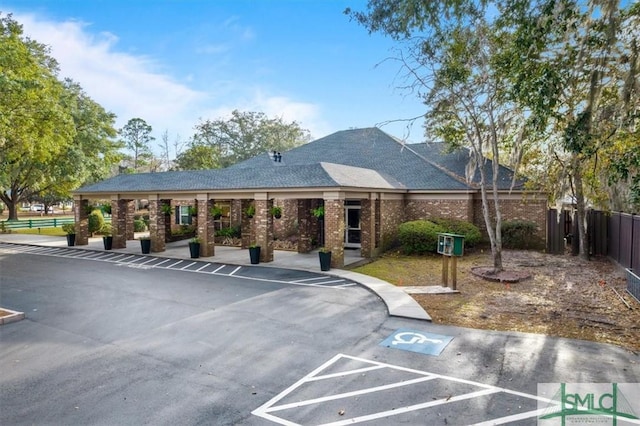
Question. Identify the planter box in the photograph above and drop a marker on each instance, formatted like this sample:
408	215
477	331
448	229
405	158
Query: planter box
145	245
194	250
108	242
71	240
254	255
325	260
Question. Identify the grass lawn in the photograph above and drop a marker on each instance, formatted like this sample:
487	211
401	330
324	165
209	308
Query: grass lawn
41	231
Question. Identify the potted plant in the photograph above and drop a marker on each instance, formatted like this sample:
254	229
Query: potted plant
166	209
276	212
250	211
145	245
325	258
107	238
254	254
70	230
216	212
194	247
318	212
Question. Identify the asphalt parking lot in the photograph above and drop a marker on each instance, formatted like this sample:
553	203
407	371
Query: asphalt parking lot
109	342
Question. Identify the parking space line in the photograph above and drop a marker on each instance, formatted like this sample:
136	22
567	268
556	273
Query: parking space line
268	409
164	261
185	267
125	259
222	266
174	264
309	279
202	267
353	393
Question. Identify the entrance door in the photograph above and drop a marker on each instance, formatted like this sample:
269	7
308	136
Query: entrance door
352	228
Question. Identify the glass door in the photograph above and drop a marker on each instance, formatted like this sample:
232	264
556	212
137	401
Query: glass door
352	228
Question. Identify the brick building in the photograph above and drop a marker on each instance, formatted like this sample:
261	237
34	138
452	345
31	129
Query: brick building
366	181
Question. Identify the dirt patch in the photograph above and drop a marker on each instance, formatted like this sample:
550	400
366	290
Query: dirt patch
565	296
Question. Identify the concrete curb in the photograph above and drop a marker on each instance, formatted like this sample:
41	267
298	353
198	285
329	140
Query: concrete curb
399	303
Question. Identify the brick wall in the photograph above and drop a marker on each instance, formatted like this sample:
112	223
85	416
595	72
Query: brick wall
425	209
515	208
392	214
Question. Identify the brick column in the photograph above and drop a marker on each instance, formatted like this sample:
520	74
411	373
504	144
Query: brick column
156	225
334	231
263	225
119	222
304	226
130	213
167	219
206	229
81	217
247	236
367	228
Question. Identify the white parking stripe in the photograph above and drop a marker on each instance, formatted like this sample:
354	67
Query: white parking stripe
202	267
268	409
349	394
140	261
185	267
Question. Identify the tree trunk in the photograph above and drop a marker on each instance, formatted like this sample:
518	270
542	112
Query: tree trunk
581	209
13	210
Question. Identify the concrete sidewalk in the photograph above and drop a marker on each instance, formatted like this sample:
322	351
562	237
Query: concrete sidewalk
398	302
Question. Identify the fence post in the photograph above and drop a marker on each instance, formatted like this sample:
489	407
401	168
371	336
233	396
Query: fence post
30	223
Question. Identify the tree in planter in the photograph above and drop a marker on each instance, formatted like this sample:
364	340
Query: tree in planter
254	254
276	212
70	230
216	212
194	247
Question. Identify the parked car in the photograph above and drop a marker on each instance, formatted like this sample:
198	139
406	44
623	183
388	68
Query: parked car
37	207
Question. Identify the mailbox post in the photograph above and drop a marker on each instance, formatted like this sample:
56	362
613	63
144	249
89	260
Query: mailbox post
450	246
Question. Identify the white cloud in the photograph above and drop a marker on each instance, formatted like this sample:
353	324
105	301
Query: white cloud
132	85
125	84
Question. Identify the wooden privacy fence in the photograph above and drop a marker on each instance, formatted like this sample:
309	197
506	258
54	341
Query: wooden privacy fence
615	234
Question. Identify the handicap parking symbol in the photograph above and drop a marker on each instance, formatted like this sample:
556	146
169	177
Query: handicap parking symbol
417	341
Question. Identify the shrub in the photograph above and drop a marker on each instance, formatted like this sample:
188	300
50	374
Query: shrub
106	229
232	232
519	234
139	226
419	236
472	235
96	221
69	228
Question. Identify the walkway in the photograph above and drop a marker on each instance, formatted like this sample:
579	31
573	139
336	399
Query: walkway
398	303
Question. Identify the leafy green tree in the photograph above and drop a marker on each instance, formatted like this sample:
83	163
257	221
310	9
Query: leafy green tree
35	127
449	60
579	77
198	156
245	135
568	69
137	138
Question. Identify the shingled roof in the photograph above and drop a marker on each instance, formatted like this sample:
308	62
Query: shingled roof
358	158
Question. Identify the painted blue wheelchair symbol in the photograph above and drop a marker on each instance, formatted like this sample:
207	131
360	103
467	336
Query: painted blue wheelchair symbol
417	341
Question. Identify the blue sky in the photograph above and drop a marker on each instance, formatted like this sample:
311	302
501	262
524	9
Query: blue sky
172	63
